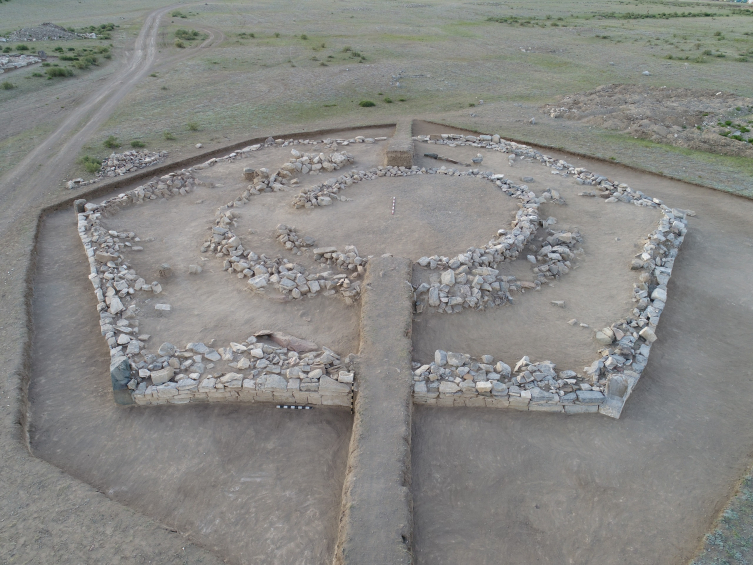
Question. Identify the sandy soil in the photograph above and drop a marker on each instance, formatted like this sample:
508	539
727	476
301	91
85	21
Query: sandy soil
598	292
641	490
253	484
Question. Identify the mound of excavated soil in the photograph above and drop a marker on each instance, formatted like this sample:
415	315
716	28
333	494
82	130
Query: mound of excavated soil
42	32
706	120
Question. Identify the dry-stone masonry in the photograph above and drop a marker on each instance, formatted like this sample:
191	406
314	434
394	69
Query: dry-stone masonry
286	373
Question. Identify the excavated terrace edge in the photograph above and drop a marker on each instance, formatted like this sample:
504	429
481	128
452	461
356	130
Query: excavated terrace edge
17	417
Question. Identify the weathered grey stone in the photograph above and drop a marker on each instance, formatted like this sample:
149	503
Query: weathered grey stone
331	386
275	383
447	387
163	375
648	334
440	357
121	375
166	350
590	397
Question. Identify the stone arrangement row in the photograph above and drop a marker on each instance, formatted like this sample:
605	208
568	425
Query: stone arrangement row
454	379
294	371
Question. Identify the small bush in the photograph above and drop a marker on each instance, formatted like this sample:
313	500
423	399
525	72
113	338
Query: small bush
22	47
58	49
346	49
7	50
366	103
164	88
111	142
472	105
56	72
179	44
401	99
187	34
8	85
91	164
277	34
178	14
388	100
37	75
137	143
153	75
168	136
192	126
303	36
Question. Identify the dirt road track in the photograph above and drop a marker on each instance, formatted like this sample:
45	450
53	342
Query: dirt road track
39	172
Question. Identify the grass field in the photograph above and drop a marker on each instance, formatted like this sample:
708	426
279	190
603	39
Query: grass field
282	64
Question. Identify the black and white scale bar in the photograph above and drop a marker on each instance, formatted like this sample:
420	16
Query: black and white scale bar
294	407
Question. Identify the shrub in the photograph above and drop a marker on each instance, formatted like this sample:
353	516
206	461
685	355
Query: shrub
388	100
303	36
91	164
111	142
55	72
179	44
187	34
7	50
277	34
401	99
178	14
153	75
366	103
137	143
8	85
37	75
193	126
22	47
167	135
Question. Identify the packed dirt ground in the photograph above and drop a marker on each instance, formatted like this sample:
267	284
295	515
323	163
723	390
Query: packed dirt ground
715	122
673	459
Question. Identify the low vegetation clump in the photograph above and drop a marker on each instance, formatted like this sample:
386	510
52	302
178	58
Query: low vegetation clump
366	103
8	85
58	72
188	34
178	14
137	144
192	126
168	136
111	142
91	164
388	100
179	44
22	47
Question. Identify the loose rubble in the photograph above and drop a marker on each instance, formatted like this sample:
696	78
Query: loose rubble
123	163
294	371
15	61
288	370
604	386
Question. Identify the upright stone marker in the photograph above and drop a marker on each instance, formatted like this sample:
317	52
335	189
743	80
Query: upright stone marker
376	520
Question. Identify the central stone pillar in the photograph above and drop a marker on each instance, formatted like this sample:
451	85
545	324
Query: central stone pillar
376	518
400	148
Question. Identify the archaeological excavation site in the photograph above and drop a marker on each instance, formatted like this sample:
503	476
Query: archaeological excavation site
355	276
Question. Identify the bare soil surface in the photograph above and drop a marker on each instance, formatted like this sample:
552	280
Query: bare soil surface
253	484
683	117
641	490
597	292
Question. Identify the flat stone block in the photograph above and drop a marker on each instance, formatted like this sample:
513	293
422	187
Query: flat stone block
545	407
476	401
497	403
336	400
446	401
581	408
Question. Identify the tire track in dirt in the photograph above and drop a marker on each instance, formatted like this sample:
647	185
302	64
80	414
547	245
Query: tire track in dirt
37	174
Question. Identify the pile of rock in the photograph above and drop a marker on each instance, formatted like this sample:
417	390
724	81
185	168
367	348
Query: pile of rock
289	238
287	277
312	163
259	372
10	62
271	142
350	260
122	163
604	386
455	379
295	371
44	32
322	194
